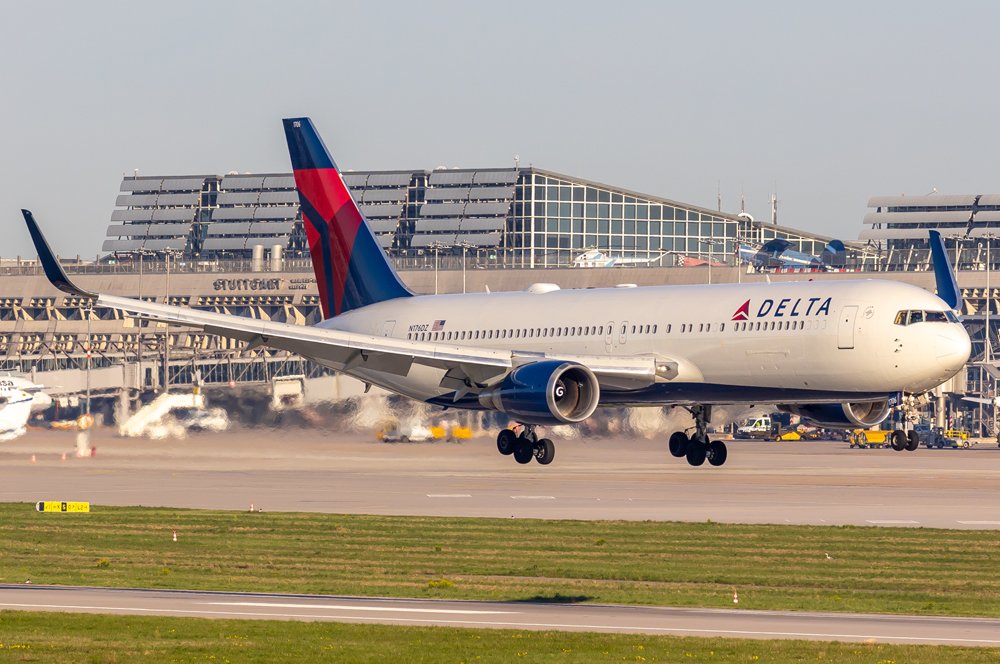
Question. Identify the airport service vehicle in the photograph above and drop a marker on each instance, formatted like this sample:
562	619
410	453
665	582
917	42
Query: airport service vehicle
413	434
215	420
759	427
833	352
878	438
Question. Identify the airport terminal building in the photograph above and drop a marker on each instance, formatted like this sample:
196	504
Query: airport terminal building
514	217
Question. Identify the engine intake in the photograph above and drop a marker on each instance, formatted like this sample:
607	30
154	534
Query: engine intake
546	392
862	414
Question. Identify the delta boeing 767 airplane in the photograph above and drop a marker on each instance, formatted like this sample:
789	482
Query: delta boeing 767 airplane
835	353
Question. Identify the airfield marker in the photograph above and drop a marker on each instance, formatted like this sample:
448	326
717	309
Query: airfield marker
33	459
175	535
736	597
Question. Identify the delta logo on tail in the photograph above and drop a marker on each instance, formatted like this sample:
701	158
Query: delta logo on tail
786	308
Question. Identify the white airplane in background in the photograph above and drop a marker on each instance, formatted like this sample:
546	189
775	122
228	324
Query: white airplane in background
19	397
597	258
835	353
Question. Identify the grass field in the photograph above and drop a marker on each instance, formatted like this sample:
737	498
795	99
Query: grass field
55	637
887	570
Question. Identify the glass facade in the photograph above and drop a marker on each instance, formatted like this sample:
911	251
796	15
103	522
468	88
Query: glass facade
555	218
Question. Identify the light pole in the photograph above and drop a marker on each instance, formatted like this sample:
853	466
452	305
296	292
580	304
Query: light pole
465	246
709	244
167	256
437	247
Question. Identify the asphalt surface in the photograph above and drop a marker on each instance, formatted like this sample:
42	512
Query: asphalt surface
733	623
608	478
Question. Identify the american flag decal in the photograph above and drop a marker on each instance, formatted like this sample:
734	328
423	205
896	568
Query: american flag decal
437	326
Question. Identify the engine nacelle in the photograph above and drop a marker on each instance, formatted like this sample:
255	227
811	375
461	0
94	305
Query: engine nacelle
841	415
545	392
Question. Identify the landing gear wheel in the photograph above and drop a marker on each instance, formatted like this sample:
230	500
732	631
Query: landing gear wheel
544	451
898	440
697	451
678	444
717	453
912	440
523	453
506	441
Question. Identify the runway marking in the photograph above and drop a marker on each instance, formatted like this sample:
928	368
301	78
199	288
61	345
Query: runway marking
893	522
449	495
525	624
348	607
980	523
533	497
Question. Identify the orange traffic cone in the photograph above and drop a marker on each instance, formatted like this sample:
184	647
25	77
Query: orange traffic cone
736	597
33	459
63	456
175	535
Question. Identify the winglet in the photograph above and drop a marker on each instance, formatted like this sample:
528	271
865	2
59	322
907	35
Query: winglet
947	284
53	270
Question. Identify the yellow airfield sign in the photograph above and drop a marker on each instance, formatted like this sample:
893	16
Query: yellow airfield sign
61	506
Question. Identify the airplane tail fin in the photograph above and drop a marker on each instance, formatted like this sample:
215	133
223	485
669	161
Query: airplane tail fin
351	269
947	284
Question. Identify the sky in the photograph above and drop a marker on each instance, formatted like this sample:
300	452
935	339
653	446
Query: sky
825	103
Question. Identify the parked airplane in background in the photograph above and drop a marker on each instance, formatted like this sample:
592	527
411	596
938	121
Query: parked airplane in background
833	352
19	397
778	253
597	258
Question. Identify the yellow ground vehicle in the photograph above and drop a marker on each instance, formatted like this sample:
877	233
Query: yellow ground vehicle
787	435
866	439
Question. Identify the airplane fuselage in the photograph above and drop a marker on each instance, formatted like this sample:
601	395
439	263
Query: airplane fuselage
791	342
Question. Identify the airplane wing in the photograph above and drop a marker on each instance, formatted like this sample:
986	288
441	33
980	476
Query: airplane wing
467	368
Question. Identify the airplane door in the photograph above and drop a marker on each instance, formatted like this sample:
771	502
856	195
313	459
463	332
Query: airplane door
623	333
387	326
845	329
609	338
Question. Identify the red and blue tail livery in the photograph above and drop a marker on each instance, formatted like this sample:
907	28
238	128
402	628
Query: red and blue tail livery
351	269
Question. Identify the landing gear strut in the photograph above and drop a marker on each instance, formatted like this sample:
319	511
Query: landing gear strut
698	448
526	445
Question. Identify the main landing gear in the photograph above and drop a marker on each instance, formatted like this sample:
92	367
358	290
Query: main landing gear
526	445
904	440
698	448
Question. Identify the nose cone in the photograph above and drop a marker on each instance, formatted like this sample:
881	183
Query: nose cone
953	348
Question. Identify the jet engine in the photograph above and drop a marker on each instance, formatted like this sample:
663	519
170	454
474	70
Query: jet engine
545	392
841	415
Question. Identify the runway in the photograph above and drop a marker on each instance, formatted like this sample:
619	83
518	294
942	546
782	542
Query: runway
609	478
510	615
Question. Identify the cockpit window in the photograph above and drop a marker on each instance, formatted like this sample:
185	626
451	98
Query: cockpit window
920	316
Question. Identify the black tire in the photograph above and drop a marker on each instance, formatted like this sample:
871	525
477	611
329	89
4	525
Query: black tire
912	440
678	444
506	442
898	440
523	453
717	453
545	451
696	453
404	439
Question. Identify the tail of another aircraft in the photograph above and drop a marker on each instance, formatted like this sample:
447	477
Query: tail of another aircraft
351	269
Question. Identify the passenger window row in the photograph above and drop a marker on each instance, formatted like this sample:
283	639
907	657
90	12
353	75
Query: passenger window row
600	330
